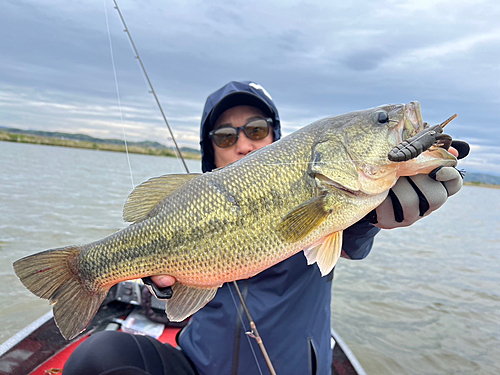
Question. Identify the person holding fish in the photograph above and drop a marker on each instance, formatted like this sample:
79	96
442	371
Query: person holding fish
290	301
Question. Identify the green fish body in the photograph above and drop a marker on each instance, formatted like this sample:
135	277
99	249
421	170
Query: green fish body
296	194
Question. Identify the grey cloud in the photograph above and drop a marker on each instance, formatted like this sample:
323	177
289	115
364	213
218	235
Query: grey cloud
316	59
365	60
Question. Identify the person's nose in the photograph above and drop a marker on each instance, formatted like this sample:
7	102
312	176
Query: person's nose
244	145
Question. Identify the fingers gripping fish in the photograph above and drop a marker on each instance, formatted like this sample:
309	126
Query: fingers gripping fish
298	193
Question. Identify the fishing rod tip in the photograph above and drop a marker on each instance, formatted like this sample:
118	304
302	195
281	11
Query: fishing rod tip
446	122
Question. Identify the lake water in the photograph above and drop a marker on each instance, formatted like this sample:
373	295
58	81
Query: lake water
425	301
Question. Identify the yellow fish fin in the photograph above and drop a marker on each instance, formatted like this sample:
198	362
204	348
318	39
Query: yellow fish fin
186	300
53	275
326	253
145	197
332	160
303	219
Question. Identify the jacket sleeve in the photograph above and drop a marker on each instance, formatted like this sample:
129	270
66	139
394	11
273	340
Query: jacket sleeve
358	239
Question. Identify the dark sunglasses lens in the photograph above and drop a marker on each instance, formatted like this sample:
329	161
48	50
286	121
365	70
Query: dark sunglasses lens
225	137
257	130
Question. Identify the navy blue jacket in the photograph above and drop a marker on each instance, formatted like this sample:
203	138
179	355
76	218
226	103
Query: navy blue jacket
290	303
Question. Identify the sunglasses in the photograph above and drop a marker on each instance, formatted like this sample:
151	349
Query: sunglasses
228	136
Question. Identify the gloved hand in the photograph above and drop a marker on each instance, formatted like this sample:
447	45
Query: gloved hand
415	197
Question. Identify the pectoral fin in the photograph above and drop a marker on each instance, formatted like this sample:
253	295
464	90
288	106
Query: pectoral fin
147	195
326	253
303	219
187	300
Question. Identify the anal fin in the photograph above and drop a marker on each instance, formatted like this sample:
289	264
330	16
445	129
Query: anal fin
326	253
187	300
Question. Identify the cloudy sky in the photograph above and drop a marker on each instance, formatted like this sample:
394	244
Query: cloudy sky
316	58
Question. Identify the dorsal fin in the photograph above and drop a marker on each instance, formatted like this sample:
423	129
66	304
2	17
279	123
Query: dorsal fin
147	195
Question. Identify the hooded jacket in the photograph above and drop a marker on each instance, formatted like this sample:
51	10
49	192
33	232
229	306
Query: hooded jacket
289	302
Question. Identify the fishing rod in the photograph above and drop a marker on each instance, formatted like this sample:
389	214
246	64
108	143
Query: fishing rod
138	57
254	333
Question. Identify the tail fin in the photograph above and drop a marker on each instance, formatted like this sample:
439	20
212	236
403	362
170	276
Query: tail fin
53	275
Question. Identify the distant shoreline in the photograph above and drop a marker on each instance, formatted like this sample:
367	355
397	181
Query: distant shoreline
89	145
480	184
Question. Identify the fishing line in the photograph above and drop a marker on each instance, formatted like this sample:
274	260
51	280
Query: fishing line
118	94
365	161
323	162
240	315
179	153
152	90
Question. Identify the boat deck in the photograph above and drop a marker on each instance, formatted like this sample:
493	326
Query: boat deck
39	349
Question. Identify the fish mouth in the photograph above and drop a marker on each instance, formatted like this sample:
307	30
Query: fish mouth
414	114
325	181
410	123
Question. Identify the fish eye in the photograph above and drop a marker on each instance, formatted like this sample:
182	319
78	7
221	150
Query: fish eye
381	117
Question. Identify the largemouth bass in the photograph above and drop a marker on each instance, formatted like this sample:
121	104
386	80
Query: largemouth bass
207	229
